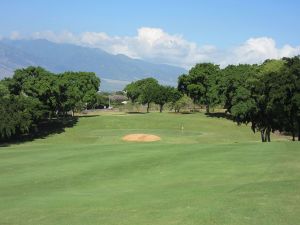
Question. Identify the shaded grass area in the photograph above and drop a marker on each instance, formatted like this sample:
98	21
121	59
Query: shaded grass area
219	115
88	175
43	130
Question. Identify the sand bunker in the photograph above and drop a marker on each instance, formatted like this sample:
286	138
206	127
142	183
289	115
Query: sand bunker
141	137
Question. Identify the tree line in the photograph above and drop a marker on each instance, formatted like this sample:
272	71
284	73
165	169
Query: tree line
34	95
267	96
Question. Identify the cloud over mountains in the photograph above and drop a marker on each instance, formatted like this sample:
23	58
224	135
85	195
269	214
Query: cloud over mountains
156	45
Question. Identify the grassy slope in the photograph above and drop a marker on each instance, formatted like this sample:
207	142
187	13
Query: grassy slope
211	173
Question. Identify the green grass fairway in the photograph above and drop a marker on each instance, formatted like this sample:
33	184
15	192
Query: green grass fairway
212	172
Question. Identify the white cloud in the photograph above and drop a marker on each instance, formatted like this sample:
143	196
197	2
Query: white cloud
256	50
93	38
156	45
63	37
15	35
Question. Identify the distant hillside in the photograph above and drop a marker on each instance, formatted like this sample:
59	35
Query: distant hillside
115	71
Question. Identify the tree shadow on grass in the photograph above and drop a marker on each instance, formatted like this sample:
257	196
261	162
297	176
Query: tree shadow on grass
87	116
219	115
136	113
43	130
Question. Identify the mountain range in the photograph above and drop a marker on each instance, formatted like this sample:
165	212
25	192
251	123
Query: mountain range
115	71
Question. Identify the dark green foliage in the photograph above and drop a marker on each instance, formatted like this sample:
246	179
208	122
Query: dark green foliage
133	91
286	96
4	92
33	95
183	102
80	90
18	115
143	91
267	96
233	77
183	82
164	94
174	96
148	90
201	84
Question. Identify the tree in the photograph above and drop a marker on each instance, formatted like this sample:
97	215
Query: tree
269	73
174	96
80	90
149	87
286	96
293	91
183	102
200	84
102	100
4	92
132	91
183	82
35	82
34	95
163	95
252	100
18	115
234	77
144	91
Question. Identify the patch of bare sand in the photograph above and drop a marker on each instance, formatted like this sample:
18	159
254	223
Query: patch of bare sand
141	138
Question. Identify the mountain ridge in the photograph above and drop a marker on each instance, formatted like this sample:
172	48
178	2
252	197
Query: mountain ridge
114	70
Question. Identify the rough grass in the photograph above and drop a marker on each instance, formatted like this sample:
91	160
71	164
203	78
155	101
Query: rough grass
212	172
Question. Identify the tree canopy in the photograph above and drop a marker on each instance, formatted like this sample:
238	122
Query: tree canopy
266	95
34	94
200	84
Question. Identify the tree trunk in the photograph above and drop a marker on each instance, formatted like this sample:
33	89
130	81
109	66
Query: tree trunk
207	109
268	136
148	106
293	128
298	129
160	108
293	133
262	135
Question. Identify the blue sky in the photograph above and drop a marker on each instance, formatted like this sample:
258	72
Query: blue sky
222	24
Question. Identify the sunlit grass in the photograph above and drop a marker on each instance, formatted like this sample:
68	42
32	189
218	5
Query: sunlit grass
210	172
